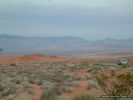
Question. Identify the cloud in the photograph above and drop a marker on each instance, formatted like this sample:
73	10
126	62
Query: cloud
66	3
67	17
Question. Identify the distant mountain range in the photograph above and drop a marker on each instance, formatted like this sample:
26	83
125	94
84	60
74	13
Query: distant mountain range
62	45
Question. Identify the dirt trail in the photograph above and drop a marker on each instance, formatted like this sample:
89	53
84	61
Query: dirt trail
38	92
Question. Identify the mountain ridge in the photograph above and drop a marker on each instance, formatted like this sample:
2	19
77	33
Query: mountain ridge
65	45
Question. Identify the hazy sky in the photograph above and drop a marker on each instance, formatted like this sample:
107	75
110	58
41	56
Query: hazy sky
90	19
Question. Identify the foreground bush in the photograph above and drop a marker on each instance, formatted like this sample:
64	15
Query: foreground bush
6	89
83	97
50	98
24	96
116	85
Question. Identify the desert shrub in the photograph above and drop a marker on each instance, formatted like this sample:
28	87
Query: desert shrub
13	64
82	67
17	80
50	90
31	80
77	78
124	65
28	89
92	85
89	77
90	70
67	89
102	79
116	85
38	81
50	98
84	62
10	97
6	88
64	98
83	97
75	84
35	79
73	68
24	96
126	81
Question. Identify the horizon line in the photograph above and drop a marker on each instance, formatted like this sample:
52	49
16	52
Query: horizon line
5	34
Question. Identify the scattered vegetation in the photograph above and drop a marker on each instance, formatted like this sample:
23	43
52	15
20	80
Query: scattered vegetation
59	78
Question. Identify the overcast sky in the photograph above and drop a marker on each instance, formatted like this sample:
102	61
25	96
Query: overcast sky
90	19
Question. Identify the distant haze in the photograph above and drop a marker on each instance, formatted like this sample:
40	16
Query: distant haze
89	19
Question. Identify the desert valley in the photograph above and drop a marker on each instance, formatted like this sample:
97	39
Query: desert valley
43	77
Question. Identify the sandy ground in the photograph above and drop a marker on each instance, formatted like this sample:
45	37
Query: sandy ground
29	58
37	91
54	58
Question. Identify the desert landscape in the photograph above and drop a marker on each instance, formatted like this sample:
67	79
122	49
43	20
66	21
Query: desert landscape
42	77
66	49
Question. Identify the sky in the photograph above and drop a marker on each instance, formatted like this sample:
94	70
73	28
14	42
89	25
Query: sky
89	19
